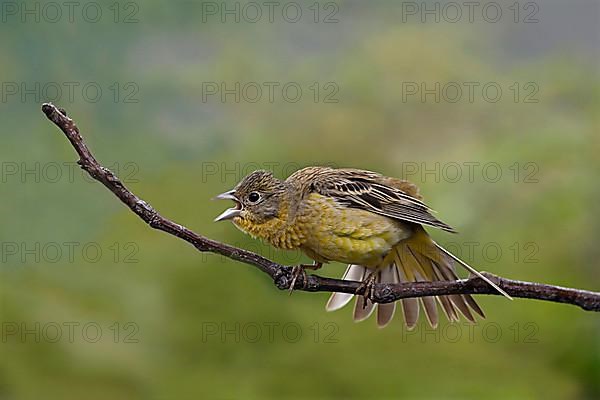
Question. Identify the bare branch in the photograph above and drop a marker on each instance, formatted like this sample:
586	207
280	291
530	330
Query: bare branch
282	275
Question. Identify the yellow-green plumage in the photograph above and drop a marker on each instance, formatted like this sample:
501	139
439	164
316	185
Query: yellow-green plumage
362	218
342	234
345	234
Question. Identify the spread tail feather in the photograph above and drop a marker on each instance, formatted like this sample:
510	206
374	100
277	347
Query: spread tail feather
474	271
339	300
364	308
416	259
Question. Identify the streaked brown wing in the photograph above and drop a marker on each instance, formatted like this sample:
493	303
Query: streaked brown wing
365	190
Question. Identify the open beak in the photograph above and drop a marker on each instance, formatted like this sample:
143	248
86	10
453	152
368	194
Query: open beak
230	213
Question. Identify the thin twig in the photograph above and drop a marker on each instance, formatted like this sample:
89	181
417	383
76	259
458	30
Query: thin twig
282	275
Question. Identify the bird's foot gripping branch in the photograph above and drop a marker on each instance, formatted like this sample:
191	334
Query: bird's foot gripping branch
283	275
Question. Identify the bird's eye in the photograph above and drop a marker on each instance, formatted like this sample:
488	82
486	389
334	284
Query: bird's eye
253	197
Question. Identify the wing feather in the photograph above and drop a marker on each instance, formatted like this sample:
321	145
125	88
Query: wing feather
372	192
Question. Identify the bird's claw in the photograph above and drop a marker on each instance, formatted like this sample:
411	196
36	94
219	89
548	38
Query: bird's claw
300	269
367	287
297	270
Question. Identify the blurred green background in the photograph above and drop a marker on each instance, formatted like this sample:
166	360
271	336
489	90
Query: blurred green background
96	305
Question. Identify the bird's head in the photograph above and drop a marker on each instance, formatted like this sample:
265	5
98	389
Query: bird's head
257	199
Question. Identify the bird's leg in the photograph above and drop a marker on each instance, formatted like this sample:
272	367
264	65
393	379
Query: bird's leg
314	266
298	270
368	285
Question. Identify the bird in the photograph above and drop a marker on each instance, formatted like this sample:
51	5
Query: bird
371	222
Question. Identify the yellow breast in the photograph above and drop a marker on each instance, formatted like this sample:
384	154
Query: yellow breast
280	232
327	231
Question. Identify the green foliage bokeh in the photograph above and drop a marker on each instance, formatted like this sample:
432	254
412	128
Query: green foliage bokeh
178	151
